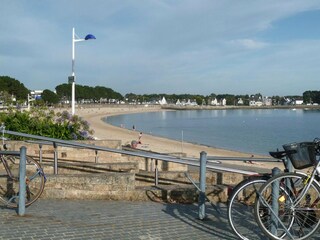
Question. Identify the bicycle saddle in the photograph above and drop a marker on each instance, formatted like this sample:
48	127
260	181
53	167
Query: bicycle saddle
281	154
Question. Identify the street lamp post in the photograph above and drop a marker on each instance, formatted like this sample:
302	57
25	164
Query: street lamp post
72	79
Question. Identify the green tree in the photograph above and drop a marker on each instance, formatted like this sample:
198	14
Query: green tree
311	97
49	97
13	87
87	92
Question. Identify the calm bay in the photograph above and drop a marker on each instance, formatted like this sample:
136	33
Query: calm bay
255	131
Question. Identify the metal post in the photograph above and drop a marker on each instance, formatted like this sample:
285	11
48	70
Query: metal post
73	86
40	153
289	165
202	194
96	157
22	182
275	204
156	173
55	169
151	165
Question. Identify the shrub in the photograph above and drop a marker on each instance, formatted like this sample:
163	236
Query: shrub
42	122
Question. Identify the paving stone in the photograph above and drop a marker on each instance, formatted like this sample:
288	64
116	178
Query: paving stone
100	219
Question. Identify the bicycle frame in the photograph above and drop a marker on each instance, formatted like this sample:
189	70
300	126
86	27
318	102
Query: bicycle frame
298	196
6	166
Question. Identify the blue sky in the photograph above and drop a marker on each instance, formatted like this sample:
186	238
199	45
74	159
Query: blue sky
160	46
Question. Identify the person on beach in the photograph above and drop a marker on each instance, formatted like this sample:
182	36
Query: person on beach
133	128
140	136
134	144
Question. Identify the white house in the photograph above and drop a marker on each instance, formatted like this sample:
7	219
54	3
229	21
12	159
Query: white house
240	101
267	101
298	102
214	102
163	101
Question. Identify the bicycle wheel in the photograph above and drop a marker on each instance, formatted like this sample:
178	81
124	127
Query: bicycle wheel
280	216
9	181
241	206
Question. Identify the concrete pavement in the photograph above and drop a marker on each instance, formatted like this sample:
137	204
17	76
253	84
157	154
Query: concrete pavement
95	219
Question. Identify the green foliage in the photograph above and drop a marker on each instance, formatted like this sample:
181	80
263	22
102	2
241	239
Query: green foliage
13	87
86	92
311	97
230	99
46	123
49	97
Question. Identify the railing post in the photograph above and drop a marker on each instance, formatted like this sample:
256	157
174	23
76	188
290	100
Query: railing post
22	182
96	156
202	194
275	204
40	153
55	168
156	173
151	165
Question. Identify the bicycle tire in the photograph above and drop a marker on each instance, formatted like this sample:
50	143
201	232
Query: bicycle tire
294	222
240	208
9	186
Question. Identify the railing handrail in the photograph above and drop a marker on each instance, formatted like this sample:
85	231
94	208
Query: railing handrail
203	162
180	160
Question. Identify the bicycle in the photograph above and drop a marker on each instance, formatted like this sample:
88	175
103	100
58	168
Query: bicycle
241	202
9	179
288	204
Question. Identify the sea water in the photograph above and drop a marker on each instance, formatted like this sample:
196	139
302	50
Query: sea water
256	131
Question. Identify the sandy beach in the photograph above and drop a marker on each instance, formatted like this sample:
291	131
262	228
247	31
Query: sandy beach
103	130
94	116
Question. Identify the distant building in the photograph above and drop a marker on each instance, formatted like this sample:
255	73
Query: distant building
36	94
267	101
163	101
240	101
298	102
214	102
255	103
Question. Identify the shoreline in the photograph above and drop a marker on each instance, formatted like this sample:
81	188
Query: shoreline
103	130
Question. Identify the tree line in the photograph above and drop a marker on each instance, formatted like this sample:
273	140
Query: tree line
10	87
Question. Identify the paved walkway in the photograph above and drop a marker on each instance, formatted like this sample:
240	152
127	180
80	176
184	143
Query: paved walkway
79	219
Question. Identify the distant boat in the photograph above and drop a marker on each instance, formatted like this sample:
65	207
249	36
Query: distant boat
293	109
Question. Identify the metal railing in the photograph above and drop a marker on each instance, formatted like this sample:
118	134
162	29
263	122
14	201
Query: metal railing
204	162
22	176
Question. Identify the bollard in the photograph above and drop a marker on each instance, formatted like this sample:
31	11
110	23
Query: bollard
22	181
275	204
202	194
55	158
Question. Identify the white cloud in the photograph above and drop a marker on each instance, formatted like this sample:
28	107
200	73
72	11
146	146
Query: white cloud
249	43
150	46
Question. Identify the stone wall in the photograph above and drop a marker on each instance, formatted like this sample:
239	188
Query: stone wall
107	186
123	186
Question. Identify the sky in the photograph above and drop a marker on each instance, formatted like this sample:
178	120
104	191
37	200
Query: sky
161	46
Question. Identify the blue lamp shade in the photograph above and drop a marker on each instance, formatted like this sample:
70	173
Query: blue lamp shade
89	36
